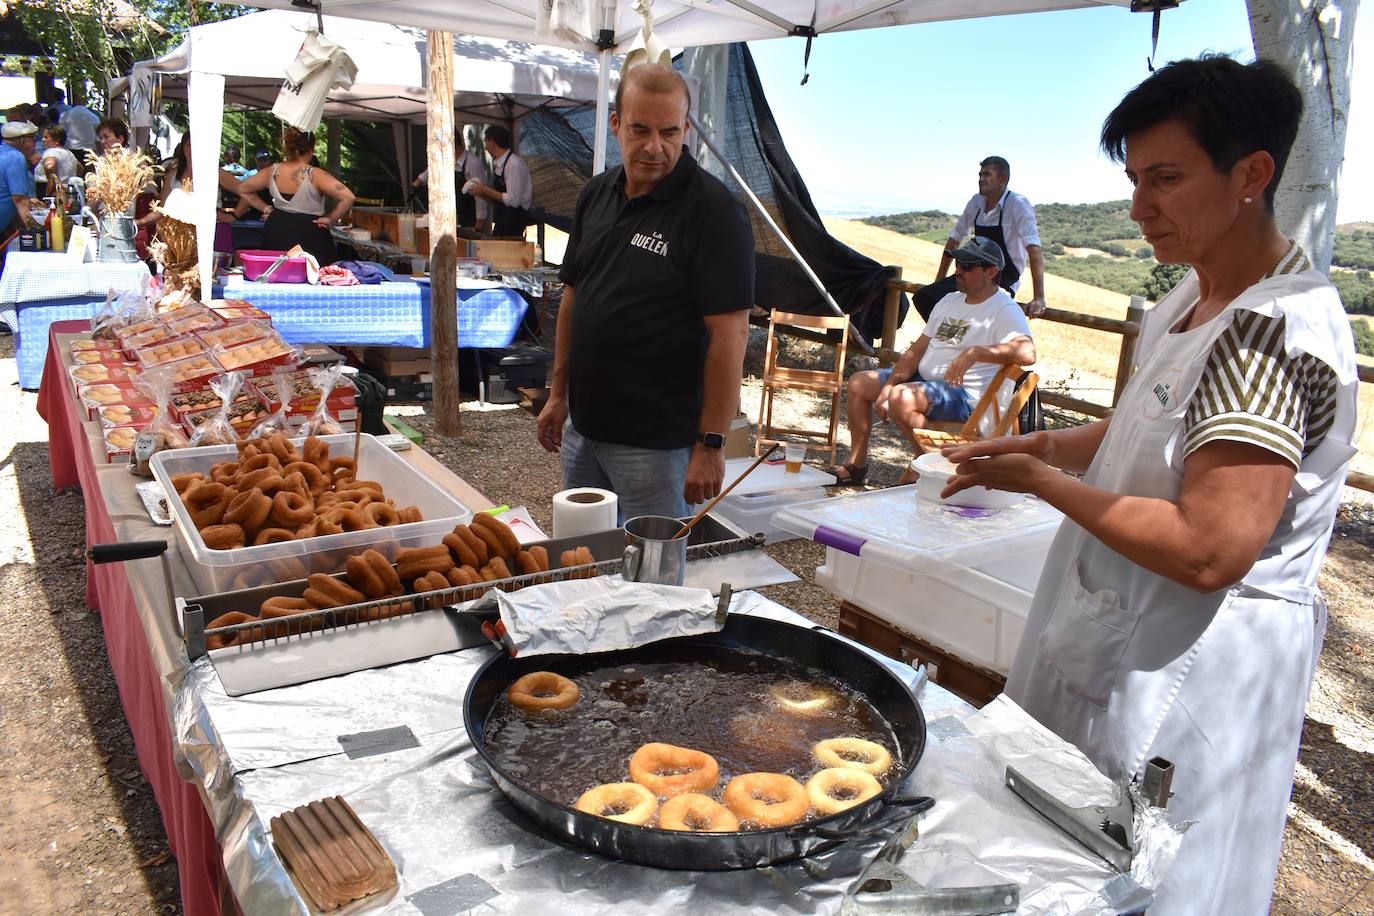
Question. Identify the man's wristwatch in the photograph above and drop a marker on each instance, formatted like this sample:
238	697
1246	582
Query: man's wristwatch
711	440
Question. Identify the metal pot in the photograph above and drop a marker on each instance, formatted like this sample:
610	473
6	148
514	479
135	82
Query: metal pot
813	648
117	239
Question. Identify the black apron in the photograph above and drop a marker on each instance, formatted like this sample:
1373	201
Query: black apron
1010	272
507	220
467	204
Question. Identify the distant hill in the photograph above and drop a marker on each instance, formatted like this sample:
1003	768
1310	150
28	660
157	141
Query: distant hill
1099	244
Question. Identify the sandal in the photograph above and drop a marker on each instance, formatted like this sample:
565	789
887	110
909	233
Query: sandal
853	476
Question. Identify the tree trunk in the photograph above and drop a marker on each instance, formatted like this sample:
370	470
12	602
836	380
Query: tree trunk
1314	41
443	226
333	132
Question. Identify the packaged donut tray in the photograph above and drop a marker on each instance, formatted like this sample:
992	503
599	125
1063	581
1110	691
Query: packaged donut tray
95	373
244	414
135	415
232	310
231	335
258	357
247	567
99	395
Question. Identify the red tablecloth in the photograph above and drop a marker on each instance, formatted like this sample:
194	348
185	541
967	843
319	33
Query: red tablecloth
190	835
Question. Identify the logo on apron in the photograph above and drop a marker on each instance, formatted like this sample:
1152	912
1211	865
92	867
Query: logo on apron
1161	397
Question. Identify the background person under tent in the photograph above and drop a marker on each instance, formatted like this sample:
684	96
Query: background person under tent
511	191
472	208
299	189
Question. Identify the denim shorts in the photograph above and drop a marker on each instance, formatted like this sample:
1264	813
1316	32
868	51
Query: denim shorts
948	403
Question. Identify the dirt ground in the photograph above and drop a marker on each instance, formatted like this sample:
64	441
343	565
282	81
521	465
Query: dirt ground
80	831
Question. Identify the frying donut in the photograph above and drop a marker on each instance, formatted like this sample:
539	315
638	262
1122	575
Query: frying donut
223	537
370	572
414	562
488	537
834	789
382	514
291	510
475	544
666	769
314	479
766	799
627	802
182	482
410	514
853	753
228	639
326	591
462	553
510	544
316	451
249	509
541	690
273	536
803	699
697	813
541	556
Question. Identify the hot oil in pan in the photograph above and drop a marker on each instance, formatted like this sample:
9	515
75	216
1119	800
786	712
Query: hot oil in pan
726	707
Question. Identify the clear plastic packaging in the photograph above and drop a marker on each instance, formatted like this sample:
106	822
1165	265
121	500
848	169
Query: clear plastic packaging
169	351
258	357
322	422
279	421
162	432
220	431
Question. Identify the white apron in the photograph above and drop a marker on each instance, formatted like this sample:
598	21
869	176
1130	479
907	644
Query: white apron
1128	665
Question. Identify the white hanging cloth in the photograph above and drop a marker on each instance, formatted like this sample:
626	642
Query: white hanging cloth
321	65
647	48
569	20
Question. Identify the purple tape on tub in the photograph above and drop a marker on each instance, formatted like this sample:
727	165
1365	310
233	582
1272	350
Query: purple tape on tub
840	540
971	512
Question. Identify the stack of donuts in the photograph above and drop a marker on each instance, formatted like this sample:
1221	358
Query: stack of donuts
272	492
485	551
682	778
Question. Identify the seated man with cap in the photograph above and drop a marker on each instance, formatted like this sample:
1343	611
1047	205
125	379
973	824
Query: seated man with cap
971	334
16	174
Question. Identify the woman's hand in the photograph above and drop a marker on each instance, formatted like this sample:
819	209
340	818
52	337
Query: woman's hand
324	222
1017	464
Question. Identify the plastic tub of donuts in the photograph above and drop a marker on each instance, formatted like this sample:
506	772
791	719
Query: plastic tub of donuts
456	569
239	528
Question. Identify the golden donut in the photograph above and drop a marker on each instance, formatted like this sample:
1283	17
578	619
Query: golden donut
291	510
316	451
854	754
541	556
526	564
324	526
804	699
342	467
220	468
326	591
223	537
834	789
287	607
382	514
370	485
268	480
410	514
249	509
347	519
475	544
697	813
488	537
182	482
202	494
666	769
766	799
314	479
257	462
280	446
509	543
414	562
627	802
463	576
462	553
432	582
295	483
228	639
213	513
499	569
371	572
540	690
273	536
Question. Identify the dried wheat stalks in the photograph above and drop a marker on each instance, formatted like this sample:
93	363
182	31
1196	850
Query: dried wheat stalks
118	178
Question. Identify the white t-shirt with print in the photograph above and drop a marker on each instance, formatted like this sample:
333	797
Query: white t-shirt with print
955	325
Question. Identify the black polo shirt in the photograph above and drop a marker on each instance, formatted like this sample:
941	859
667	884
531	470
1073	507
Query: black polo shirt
644	272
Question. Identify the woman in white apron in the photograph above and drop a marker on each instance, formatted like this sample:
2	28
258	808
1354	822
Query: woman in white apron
1178	614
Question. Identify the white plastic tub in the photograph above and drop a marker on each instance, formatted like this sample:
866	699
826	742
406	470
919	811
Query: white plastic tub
753	513
217	571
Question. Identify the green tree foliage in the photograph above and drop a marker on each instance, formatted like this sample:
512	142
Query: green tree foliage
1121	275
1163	277
1354	248
1364	336
1356	289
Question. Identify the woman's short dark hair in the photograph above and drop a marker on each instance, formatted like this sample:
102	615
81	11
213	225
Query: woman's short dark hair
116	127
1231	109
58	135
498	134
296	143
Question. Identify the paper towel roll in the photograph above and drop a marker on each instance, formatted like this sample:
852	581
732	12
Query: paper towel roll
583	510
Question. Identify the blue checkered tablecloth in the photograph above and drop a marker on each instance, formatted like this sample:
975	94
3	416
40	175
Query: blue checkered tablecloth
386	314
40	287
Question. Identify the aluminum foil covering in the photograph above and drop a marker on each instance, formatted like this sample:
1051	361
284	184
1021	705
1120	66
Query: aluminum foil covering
458	844
155	501
602	614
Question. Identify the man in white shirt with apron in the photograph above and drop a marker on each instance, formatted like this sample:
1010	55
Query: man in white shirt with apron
1178	613
511	191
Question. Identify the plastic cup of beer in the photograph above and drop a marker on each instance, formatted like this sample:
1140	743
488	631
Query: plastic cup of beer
417	266
794	453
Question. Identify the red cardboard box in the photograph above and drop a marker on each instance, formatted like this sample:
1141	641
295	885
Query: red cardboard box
97	395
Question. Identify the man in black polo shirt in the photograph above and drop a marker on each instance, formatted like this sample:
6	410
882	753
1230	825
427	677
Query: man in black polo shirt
658	280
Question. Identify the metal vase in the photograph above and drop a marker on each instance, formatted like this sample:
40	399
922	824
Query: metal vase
117	239
651	555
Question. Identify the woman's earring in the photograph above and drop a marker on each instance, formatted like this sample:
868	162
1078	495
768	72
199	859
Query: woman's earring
1247	200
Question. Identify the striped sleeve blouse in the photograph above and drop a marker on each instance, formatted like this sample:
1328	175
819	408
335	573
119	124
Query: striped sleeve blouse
1253	391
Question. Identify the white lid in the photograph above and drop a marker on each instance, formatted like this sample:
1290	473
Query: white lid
769	477
894	528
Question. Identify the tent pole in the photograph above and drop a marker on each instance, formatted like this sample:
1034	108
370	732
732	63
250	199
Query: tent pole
603	91
782	236
443	235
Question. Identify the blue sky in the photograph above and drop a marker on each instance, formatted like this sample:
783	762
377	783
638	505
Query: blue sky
897	119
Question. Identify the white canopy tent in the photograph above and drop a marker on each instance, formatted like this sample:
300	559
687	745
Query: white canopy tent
241	61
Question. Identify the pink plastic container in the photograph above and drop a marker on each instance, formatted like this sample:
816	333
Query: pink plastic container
256	262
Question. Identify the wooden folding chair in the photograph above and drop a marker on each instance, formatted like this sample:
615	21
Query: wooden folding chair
1003	423
820	381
